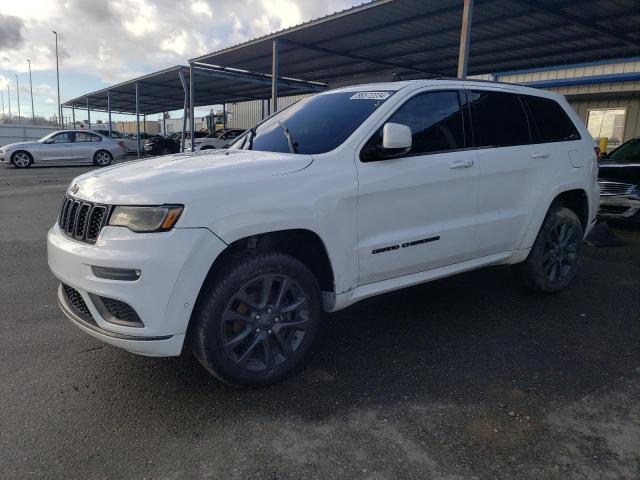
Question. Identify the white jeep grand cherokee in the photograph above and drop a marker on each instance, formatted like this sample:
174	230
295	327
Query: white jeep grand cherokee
346	194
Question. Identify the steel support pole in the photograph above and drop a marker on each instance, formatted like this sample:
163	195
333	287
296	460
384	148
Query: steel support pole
465	38
164	123
9	100
18	94
184	111
88	114
261	109
224	116
2	94
192	113
33	112
73	115
138	118
109	110
58	80
275	65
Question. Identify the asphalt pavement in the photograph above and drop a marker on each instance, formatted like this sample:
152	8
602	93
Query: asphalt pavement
467	377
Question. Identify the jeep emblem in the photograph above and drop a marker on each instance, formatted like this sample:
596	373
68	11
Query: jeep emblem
75	188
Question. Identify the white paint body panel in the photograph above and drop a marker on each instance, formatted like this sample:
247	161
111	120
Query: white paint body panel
485	214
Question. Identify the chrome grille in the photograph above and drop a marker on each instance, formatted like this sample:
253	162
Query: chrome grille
616	188
82	220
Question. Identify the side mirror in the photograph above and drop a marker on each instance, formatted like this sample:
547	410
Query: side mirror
396	141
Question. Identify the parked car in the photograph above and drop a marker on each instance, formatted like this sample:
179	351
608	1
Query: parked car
131	141
218	139
161	146
187	141
619	179
105	133
64	147
346	194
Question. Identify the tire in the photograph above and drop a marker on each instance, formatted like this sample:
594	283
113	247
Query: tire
21	159
165	151
102	158
556	254
247	339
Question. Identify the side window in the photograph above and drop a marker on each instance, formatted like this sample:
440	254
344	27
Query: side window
498	119
87	137
550	123
61	138
435	120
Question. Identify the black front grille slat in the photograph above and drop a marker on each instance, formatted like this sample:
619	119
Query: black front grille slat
81	225
96	222
82	221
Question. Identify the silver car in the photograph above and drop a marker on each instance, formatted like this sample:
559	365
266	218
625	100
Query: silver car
64	147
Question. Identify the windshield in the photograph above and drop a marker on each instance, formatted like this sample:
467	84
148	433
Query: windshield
627	152
313	125
47	137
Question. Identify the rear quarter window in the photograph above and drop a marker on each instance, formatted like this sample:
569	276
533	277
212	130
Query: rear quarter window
549	121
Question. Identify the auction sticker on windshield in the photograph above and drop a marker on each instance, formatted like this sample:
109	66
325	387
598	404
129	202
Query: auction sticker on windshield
370	96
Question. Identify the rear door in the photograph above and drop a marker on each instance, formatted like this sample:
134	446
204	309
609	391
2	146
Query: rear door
85	146
57	148
512	171
417	212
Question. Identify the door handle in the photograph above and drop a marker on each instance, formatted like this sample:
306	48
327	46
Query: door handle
540	155
461	164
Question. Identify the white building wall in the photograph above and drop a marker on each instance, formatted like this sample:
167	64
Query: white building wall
23	133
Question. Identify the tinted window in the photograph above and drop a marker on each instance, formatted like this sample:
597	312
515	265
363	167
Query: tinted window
315	124
498	119
87	137
550	123
435	119
61	138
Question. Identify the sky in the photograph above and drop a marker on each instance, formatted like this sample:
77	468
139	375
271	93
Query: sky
103	42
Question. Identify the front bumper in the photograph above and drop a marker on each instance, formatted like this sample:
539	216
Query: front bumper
173	266
620	207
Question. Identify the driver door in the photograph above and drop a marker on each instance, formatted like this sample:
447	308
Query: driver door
417	212
57	148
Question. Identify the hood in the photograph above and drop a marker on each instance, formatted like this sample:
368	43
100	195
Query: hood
13	146
177	178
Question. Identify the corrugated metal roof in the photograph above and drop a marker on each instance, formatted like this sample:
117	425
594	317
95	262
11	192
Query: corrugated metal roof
421	37
385	39
162	91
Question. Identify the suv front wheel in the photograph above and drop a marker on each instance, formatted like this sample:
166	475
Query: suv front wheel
256	322
556	254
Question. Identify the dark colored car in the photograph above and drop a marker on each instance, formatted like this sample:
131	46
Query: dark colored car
162	146
619	180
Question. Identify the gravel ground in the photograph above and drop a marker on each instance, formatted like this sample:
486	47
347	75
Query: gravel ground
467	377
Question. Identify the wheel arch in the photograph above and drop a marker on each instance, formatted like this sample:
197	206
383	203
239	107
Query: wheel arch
31	157
575	200
302	244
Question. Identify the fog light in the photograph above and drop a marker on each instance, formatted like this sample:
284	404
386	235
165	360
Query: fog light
124	274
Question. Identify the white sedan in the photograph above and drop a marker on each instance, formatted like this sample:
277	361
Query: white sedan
64	147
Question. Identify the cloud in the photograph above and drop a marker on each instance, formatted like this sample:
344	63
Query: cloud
107	42
11	32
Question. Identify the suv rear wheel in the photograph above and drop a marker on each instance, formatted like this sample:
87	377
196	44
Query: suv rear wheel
556	254
255	324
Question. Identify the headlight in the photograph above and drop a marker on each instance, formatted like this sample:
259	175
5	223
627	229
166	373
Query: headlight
146	219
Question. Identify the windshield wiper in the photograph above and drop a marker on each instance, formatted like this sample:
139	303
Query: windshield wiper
293	146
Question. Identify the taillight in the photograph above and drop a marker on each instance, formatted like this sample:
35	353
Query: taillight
598	153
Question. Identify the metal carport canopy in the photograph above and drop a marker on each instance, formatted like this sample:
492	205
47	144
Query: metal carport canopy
162	91
418	38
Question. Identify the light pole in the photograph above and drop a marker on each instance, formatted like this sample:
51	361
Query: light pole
58	80
9	100
2	106
18	94
33	112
